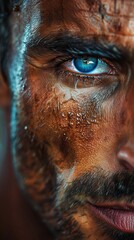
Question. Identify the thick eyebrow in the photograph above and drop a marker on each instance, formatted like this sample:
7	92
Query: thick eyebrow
76	46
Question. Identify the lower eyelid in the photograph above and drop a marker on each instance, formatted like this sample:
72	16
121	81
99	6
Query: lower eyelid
73	80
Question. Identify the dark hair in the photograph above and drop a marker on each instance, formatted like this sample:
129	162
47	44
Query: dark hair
5	11
6	8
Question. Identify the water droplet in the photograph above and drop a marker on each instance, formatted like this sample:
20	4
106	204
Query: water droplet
78	114
71	124
63	114
70	114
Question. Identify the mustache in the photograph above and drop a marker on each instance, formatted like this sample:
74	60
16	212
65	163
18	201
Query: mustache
99	187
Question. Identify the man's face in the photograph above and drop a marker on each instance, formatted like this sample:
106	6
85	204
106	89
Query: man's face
71	76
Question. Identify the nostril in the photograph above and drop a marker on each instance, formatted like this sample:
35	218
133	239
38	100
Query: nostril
125	165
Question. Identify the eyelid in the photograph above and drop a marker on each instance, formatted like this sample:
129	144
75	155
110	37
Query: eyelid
57	62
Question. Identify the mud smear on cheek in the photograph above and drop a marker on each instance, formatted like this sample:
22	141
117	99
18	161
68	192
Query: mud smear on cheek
80	101
38	177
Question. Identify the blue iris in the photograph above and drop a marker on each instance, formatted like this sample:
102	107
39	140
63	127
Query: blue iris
85	65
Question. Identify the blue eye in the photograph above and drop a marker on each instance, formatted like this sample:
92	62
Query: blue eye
88	66
85	65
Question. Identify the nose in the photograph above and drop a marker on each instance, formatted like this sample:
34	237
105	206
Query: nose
125	153
125	156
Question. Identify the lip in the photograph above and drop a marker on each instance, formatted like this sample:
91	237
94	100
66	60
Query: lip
119	216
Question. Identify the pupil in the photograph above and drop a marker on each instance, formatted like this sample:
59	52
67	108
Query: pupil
85	65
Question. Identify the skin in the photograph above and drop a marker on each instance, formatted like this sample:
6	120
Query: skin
72	144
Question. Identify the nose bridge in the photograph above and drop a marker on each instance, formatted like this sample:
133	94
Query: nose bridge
130	110
125	154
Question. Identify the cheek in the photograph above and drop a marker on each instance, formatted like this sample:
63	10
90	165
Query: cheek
75	130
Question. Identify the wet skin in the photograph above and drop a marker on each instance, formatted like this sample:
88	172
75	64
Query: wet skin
73	133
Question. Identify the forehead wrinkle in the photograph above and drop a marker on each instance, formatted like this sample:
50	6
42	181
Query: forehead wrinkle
121	8
81	5
75	17
114	8
51	12
85	10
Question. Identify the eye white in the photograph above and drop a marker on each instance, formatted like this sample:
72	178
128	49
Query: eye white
101	68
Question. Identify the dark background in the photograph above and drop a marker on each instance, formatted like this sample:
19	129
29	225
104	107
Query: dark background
18	221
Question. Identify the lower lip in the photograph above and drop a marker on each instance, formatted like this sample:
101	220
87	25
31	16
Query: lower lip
120	219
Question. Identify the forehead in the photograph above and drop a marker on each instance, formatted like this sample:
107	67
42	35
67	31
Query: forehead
112	19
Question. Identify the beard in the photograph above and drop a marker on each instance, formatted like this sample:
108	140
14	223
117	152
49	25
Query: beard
37	176
101	187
